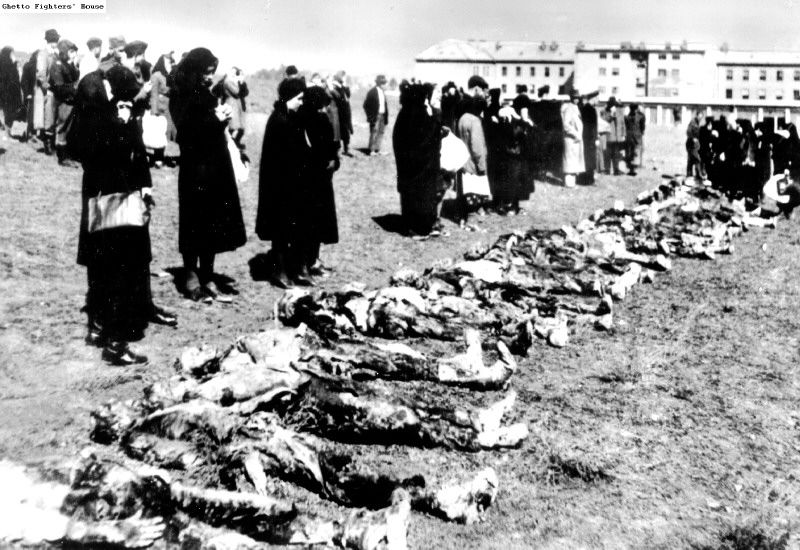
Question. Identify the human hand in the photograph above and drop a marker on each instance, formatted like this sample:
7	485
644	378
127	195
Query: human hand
222	112
124	110
147	197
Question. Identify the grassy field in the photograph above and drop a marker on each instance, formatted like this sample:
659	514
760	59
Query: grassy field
679	429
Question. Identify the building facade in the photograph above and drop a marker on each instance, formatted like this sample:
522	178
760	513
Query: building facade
677	73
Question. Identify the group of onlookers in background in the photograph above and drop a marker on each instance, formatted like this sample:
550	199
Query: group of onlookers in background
743	159
37	98
508	145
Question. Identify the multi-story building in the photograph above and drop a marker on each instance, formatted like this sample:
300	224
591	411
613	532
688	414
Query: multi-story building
668	72
504	65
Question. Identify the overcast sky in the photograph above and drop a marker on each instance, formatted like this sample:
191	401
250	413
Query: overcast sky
369	36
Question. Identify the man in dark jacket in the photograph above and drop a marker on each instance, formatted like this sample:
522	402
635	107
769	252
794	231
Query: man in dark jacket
64	83
341	96
616	137
377	111
589	118
694	164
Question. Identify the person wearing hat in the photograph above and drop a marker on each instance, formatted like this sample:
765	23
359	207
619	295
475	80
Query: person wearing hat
44	118
377	111
63	83
634	142
572	161
116	48
513	133
90	61
614	116
209	211
282	184
291	72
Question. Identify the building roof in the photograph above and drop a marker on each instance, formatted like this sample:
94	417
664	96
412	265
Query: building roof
499	51
757	58
670	46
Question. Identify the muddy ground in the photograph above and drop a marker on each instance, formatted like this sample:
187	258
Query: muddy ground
678	429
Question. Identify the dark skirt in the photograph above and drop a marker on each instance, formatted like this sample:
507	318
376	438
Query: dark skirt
420	208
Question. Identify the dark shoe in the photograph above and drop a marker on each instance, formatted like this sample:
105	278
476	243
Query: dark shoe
210	289
94	334
320	270
120	354
281	281
160	316
347	154
197	294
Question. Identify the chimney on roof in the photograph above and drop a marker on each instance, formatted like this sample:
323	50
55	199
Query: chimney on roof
497	46
553	46
684	46
668	46
543	46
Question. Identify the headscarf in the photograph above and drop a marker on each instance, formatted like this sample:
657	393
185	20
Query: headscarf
161	65
6	63
315	98
290	87
190	71
123	83
64	47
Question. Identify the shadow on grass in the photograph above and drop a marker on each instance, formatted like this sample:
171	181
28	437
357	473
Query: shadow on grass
392	223
225	283
261	266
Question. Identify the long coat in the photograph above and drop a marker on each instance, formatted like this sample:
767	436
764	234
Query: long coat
512	163
231	93
323	226
159	101
44	107
589	119
210	215
114	161
10	91
417	140
341	96
572	159
283	178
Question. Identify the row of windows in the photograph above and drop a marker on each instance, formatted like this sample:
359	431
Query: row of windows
675	56
602	90
613	56
762	74
531	71
761	94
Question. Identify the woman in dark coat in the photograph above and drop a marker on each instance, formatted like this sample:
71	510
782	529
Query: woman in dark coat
108	141
283	192
324	161
513	135
589	118
210	215
417	140
10	91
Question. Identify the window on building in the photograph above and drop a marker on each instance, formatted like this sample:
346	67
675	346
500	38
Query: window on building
602	71
503	88
779	95
797	95
486	70
675	92
547	71
676	56
504	71
662	73
745	93
662	56
533	71
797	75
615	90
476	69
561	71
746	74
603	55
676	74
518	72
729	74
779	75
615	56
602	90
615	71
729	93
762	94
762	74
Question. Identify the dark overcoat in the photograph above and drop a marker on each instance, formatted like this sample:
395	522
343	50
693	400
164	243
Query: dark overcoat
589	117
512	166
323	226
283	178
210	215
10	90
114	161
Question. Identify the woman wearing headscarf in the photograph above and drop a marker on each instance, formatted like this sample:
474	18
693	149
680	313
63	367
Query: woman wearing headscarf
572	159
108	141
210	216
159	101
64	83
10	91
283	183
513	134
322	227
417	140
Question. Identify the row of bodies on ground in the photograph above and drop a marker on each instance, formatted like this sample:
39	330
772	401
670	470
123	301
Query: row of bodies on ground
205	450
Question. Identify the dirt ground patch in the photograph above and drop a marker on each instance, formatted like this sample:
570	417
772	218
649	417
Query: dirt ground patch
677	428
